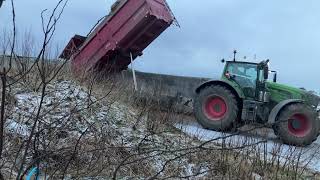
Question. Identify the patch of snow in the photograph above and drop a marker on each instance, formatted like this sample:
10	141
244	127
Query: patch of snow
189	169
18	128
256	176
203	171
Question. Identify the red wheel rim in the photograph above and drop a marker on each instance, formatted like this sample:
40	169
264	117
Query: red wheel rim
215	108
299	125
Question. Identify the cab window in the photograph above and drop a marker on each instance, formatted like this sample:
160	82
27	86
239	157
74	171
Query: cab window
245	74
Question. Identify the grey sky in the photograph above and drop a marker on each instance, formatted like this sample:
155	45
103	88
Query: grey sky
286	32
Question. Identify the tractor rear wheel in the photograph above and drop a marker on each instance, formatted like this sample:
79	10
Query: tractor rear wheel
297	125
216	108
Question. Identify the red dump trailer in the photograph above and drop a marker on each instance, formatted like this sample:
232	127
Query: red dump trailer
130	27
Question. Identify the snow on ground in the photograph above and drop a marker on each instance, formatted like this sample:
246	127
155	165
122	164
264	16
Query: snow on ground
61	98
65	112
310	154
18	128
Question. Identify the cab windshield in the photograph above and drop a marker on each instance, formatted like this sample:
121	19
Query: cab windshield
244	74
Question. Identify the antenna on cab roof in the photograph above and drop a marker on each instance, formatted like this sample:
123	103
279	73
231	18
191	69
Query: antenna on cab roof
234	55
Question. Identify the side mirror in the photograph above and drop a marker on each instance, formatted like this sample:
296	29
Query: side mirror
223	60
266	72
275	77
266	69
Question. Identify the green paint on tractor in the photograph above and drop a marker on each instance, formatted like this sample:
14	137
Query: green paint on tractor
281	92
245	94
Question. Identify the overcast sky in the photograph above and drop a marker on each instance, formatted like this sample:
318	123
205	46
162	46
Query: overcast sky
287	32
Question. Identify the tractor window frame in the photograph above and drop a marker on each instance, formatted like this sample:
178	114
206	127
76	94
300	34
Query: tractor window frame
255	79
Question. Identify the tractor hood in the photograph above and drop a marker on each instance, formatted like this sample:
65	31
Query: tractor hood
280	92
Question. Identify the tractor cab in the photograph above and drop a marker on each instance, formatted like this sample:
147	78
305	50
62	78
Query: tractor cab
250	78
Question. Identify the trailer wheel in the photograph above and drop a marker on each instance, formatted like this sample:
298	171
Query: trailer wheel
297	125
215	108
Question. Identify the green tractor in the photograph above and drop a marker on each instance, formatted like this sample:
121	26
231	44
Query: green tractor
245	94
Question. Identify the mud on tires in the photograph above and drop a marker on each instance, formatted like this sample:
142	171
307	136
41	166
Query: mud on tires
297	125
215	108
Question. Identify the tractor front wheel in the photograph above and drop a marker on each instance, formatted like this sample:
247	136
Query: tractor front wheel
297	125
216	108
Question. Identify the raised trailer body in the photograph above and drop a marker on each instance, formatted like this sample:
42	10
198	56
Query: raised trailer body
130	27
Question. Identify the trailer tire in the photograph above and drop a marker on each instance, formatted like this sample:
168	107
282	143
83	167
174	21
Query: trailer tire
216	108
297	125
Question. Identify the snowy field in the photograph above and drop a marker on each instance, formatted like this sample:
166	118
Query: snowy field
310	155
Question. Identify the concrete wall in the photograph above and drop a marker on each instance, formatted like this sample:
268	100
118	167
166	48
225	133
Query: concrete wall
171	91
16	63
167	85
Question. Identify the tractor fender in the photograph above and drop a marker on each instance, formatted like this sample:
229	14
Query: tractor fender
276	110
230	86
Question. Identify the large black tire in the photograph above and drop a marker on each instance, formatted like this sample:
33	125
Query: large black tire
223	115
297	124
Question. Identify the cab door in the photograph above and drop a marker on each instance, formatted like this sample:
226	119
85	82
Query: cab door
262	89
246	75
